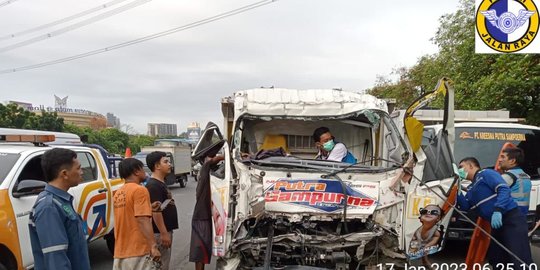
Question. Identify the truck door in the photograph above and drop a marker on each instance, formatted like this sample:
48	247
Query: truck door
93	197
29	169
210	144
431	190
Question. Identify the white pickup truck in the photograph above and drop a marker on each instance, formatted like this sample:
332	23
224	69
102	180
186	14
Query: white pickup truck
21	180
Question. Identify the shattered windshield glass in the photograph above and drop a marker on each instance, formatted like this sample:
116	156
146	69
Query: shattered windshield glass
367	139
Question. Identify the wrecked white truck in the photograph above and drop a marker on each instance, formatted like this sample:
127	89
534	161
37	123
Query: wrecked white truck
276	207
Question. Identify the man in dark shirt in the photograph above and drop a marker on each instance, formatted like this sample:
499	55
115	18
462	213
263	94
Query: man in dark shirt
164	219
201	224
57	232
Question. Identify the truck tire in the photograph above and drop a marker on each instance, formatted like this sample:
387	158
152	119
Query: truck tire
183	180
109	238
2	267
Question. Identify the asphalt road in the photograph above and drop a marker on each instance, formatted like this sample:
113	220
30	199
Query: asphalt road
101	259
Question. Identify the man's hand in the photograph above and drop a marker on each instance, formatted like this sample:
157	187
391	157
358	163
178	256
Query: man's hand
496	220
154	253
156	205
165	239
215	160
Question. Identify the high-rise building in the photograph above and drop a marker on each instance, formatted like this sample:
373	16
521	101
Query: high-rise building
113	121
162	129
194	131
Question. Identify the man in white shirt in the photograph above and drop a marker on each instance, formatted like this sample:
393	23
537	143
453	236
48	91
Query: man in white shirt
330	150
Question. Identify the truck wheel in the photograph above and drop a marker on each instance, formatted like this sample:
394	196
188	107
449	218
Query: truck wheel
183	181
2	267
109	238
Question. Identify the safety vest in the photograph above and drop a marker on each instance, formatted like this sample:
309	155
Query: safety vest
520	188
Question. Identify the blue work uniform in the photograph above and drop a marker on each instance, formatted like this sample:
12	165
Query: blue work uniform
57	234
520	188
489	193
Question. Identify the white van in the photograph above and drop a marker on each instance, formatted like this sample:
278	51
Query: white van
484	140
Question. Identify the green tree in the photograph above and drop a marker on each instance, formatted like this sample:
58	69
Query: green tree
46	121
404	92
114	140
13	116
136	142
481	81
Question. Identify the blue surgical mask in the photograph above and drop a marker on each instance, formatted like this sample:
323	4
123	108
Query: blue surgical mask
462	173
329	145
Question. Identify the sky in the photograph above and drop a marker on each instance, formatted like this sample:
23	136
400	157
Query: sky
180	78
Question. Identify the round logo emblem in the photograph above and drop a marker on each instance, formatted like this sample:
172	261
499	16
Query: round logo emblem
507	25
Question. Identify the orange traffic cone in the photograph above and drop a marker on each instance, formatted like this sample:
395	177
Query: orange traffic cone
128	153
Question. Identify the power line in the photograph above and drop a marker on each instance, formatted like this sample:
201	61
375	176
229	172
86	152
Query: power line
146	38
6	2
75	25
63	20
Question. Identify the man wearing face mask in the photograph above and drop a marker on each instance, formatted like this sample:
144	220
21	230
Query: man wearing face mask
490	195
329	149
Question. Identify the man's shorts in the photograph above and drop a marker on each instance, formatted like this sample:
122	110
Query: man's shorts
201	241
136	263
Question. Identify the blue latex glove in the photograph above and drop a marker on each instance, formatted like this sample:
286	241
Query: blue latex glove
496	220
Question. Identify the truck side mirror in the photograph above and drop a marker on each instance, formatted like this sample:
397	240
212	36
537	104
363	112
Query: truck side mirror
28	187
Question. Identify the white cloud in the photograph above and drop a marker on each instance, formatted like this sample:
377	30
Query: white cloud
180	78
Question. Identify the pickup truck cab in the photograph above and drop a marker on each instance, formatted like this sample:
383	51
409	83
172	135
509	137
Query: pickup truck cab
21	180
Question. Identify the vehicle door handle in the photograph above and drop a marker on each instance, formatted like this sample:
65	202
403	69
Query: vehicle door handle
101	190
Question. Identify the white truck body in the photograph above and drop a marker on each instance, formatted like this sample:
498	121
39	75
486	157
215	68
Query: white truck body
294	210
180	156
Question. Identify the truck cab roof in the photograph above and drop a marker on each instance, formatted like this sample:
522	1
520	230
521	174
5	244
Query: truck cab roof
294	102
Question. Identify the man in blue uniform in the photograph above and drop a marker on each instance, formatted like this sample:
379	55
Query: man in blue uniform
490	196
518	181
57	234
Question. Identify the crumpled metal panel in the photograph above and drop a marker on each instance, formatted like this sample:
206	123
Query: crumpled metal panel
312	102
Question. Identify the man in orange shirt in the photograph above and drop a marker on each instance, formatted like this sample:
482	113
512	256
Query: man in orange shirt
134	237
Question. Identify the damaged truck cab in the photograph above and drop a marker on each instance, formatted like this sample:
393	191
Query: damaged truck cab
274	205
